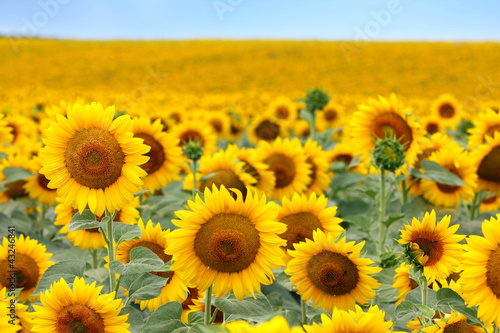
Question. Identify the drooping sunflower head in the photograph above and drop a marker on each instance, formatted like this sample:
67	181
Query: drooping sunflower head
303	215
486	124
488	163
82	309
371	321
317	159
92	238
433	246
288	161
382	119
228	242
92	159
165	155
331	274
31	262
459	162
221	168
266	128
480	278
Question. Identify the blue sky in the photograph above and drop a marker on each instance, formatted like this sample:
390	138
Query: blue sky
252	19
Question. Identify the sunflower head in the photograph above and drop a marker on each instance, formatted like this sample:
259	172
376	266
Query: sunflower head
388	154
316	99
193	150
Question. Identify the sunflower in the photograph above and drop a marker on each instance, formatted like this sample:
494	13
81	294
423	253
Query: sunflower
488	157
404	284
284	110
92	159
165	156
24	132
331	274
22	320
371	321
490	204
331	116
431	125
196	130
454	323
36	186
303	215
317	159
253	166
17	159
264	127
287	160
92	238
301	128
6	136
435	247
447	109
221	168
31	261
227	242
276	324
343	153
154	238
79	310
480	279
219	121
460	162
382	119
236	128
192	303
486	124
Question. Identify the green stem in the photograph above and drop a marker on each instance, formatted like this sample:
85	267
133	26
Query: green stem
193	170
304	311
111	251
411	185
383	228
313	126
423	289
93	253
117	285
404	191
214	316
208	306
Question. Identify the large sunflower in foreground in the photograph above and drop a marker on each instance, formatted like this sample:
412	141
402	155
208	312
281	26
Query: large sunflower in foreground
154	238
228	242
165	156
92	238
454	323
382	119
287	160
30	263
317	159
486	124
488	165
480	279
302	215
79	310
435	247
277	324
371	321
221	168
460	162
92	159
332	274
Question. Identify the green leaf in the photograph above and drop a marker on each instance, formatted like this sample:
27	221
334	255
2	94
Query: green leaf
22	222
284	280
134	318
166	318
13	174
147	286
449	297
142	259
3	155
393	217
86	220
415	296
406	311
196	318
345	180
307	116
68	270
435	172
249	308
361	222
123	232
425	310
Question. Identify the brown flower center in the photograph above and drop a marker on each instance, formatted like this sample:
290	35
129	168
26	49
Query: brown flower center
489	166
299	226
493	273
248	168
459	327
227	243
330	115
43	182
156	154
283	168
217	125
79	318
25	270
15	189
449	188
432	128
267	130
430	245
155	248
314	169
446	110
94	158
193	293
224	177
282	112
234	129
490	200
333	273
345	158
191	135
390	124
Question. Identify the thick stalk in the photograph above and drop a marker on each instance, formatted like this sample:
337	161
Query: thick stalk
423	289
304	311
93	253
404	192
313	126
208	306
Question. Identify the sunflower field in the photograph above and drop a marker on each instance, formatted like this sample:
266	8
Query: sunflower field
249	186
